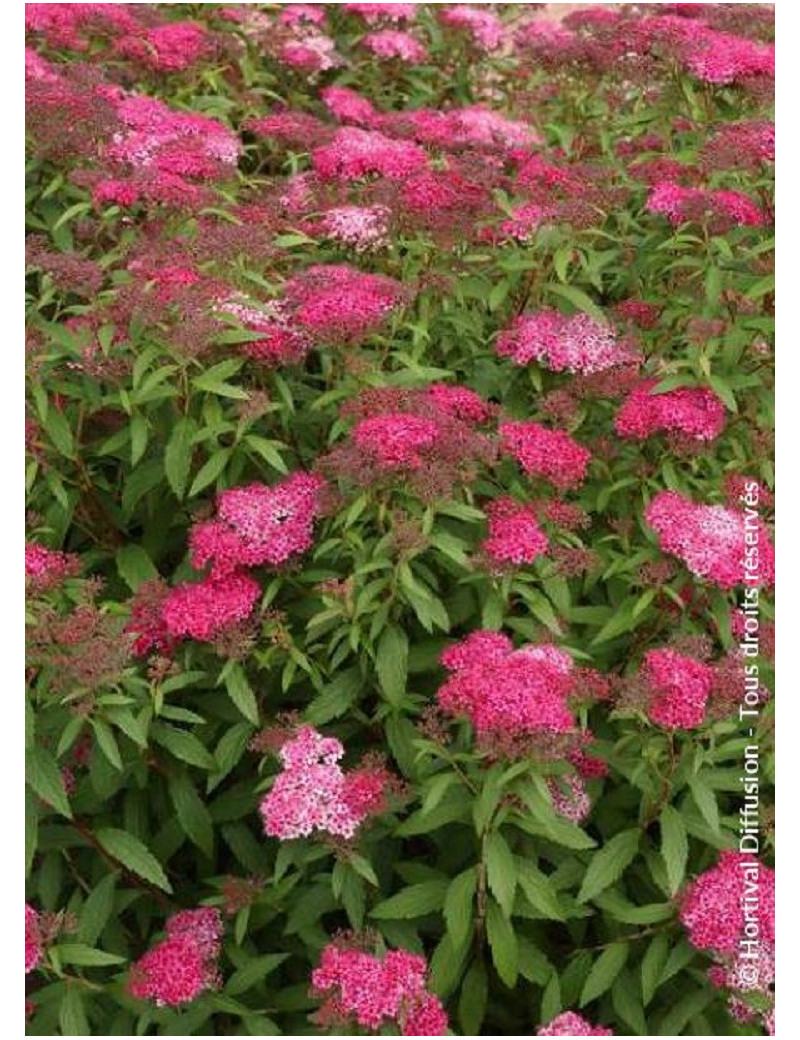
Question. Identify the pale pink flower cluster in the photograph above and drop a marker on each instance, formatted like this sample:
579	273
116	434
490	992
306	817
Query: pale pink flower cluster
46	568
392	43
506	692
178	969
281	341
297	14
550	454
258	525
375	13
313	793
514	534
376	991
678	688
483	25
694	411
711	540
361	228
354	153
571	1024
525	221
570	798
313	52
579	343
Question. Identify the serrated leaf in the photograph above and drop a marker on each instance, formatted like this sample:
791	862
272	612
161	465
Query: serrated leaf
503	944
253	972
72	1018
414	901
85	956
191	812
472	1003
178	456
674	846
133	855
44	777
501	871
458	905
183	745
604	970
653	963
241	693
608	864
706	802
97	910
135	566
391	664
539	890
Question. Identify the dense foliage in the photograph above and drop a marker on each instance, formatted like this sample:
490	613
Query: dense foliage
398	438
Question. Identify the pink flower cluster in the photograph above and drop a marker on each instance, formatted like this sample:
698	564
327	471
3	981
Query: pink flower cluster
550	454
313	793
182	966
721	58
484	27
361	228
392	43
711	540
514	534
33	939
694	411
258	525
310	53
47	568
571	1024
375	991
724	209
678	688
166	48
201	610
506	692
396	439
281	341
578	343
334	303
375	13
713	909
354	153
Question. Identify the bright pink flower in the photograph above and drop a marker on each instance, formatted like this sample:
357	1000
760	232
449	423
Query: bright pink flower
506	692
694	411
460	402
281	341
296	14
678	687
348	105
47	568
204	609
725	209
372	991
712	908
396	439
334	303
355	153
174	972
571	1024
564	344
711	540
313	52
550	454
33	939
514	533
391	43
172	47
721	58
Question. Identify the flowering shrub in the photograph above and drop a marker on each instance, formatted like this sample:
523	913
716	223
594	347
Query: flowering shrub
399	553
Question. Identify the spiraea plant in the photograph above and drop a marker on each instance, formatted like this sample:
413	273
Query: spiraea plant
399	548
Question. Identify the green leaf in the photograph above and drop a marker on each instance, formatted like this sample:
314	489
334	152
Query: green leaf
44	777
133	855
608	864
391	664
85	956
253	972
107	742
135	566
241	693
210	470
653	963
178	456
474	995
414	901
183	745
539	890
577	297
501	871
706	802
60	432
503	944
97	910
458	905
191	813
625	999
72	1018
674	846
604	970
